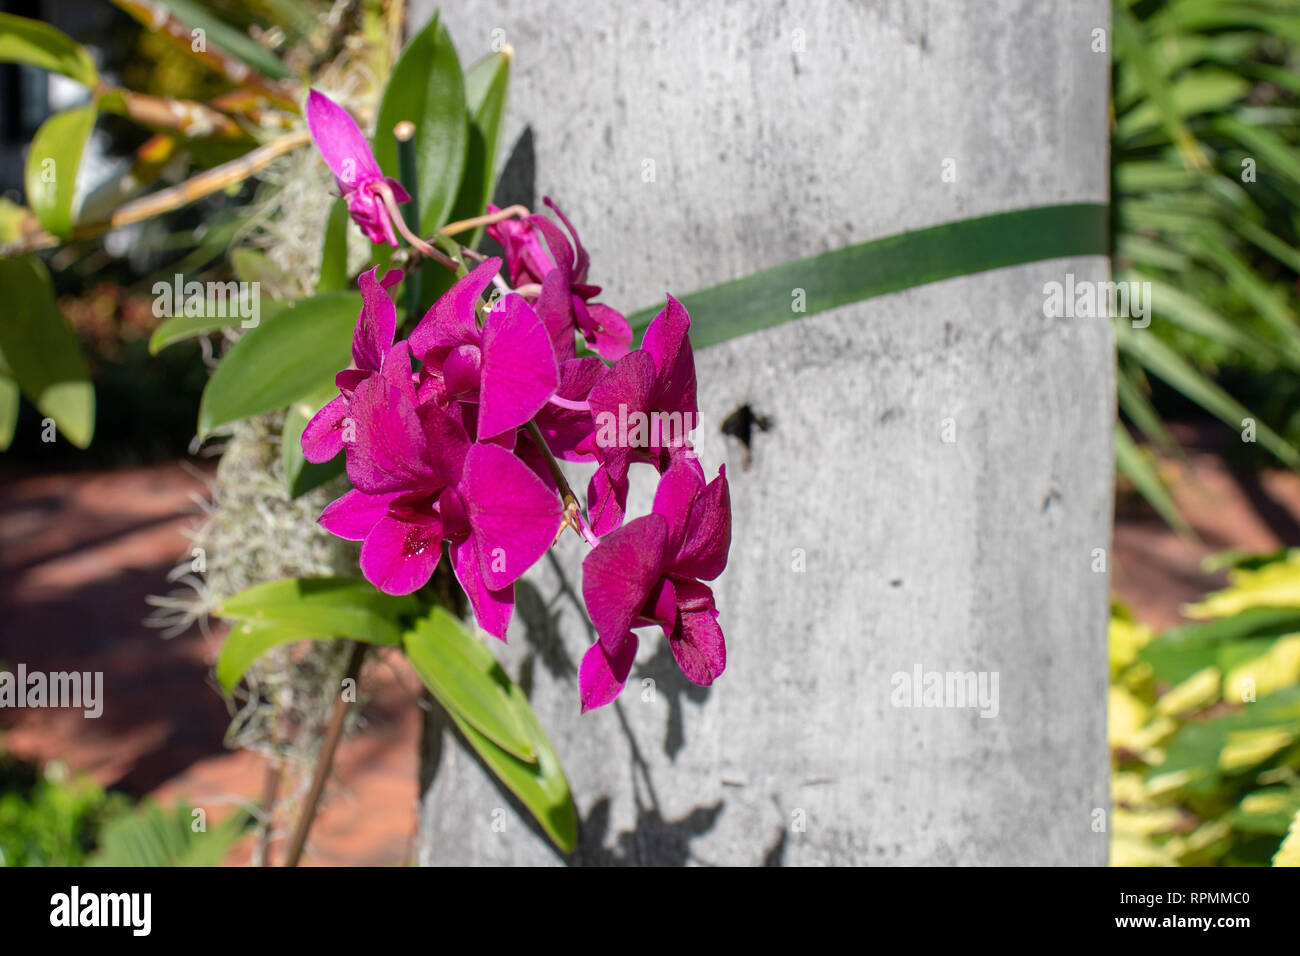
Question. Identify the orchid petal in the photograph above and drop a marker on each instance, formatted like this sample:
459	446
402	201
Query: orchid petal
402	551
697	643
322	438
579	267
377	322
602	675
619	573
666	339
519	369
390	452
340	142
354	515
678	488
513	516
606	500
703	551
452	320
555	309
492	608
607	332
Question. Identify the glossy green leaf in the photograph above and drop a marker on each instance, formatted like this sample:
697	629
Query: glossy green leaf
282	361
427	89
183	327
52	163
247	641
40	350
334	252
223	36
467	680
541	787
301	475
39	44
333	607
486	85
870	269
8	411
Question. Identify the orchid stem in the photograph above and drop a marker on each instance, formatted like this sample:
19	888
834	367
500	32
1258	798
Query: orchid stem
572	510
437	255
404	133
333	733
464	225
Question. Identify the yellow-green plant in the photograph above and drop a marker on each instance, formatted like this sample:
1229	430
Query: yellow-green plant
1204	726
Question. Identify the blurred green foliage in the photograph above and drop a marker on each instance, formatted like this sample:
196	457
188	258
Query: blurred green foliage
51	817
1204	725
1205	191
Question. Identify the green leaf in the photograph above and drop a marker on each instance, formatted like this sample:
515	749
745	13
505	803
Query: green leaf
539	784
1202	91
486	84
902	261
1288	854
1179	653
301	475
182	327
427	89
1192	314
52	163
1205	751
330	607
282	361
1130	463
222	35
8	411
334	253
1135	404
40	350
247	641
254	265
1166	364
1147	62
156	838
467	680
541	787
39	44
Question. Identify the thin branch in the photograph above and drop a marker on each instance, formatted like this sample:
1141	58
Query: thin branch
157	18
174	197
333	733
191	119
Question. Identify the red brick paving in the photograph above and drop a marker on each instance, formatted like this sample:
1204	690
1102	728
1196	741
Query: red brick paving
79	552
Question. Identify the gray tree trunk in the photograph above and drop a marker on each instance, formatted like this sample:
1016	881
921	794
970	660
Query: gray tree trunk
936	474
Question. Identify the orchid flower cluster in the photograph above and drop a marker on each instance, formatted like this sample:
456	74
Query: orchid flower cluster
453	435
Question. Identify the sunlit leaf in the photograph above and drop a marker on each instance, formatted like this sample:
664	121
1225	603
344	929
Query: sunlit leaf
38	347
52	163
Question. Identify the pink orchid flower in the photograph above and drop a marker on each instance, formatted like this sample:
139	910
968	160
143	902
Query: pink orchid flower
564	298
649	572
507	368
355	169
656	379
372	338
